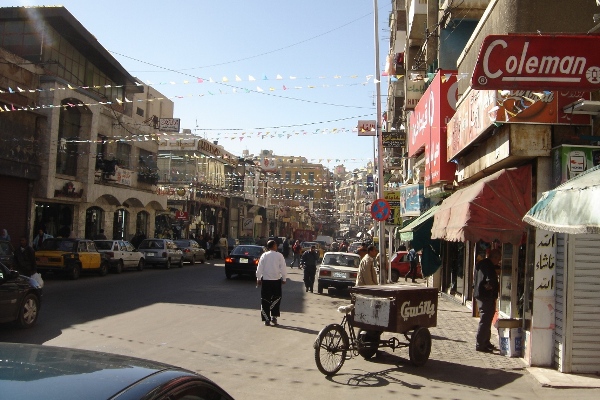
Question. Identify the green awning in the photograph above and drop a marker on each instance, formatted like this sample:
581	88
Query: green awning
406	233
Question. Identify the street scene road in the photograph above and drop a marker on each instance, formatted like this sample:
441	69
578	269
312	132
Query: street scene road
197	319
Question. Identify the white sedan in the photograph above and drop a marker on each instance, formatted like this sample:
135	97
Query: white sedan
121	254
338	270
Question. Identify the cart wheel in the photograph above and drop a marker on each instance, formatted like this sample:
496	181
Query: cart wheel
419	346
368	343
331	346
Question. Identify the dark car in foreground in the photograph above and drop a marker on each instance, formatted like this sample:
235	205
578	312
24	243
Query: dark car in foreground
46	372
20	299
243	260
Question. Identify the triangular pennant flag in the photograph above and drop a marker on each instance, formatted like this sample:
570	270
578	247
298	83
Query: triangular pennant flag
238	79
278	77
200	80
225	79
251	78
258	89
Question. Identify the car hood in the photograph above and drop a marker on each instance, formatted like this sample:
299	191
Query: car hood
46	372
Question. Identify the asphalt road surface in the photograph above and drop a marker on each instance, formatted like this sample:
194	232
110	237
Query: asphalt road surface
197	319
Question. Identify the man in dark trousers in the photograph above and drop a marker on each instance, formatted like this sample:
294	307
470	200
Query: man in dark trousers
485	291
309	261
25	259
413	259
271	273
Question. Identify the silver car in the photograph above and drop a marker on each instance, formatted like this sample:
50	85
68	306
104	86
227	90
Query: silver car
121	254
161	252
192	251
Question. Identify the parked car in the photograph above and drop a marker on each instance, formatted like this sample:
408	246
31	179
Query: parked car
121	254
192	251
7	253
400	266
20	298
338	270
352	247
48	372
70	257
243	260
161	252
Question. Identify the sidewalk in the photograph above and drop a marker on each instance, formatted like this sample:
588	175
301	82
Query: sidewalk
454	339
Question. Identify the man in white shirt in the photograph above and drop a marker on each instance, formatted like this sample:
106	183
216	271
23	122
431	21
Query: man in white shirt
270	275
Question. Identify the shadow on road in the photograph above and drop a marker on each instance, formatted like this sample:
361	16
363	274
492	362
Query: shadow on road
435	371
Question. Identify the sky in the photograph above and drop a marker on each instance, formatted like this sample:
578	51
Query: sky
313	64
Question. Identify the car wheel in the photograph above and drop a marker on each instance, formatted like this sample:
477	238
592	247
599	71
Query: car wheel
29	311
76	272
180	265
193	261
103	268
395	275
140	266
119	267
168	264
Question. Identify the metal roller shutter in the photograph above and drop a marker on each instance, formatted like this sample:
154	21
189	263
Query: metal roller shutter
13	213
560	304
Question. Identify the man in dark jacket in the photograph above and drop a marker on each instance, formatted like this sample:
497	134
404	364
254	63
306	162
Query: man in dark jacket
485	292
25	259
309	261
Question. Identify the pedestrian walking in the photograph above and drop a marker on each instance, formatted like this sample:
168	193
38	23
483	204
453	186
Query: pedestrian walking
271	274
413	259
297	249
286	248
367	275
309	262
25	258
485	292
39	239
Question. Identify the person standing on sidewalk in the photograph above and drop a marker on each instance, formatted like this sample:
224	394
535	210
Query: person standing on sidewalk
367	275
413	259
297	249
485	291
223	246
25	259
309	262
271	273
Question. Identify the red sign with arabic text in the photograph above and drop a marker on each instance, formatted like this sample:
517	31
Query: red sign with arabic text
428	127
551	62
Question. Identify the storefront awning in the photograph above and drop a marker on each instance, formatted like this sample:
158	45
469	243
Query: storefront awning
490	209
406	233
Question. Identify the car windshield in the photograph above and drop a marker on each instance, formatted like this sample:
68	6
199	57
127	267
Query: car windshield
104	244
59	245
247	241
253	251
182	243
343	260
151	244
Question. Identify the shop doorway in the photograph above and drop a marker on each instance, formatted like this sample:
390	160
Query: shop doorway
141	222
94	220
54	218
120	221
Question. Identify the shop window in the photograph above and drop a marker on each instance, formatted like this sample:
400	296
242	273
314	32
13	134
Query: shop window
120	221
506	279
141	222
94	220
54	218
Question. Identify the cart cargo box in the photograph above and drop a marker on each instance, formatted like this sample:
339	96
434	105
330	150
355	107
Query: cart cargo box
394	308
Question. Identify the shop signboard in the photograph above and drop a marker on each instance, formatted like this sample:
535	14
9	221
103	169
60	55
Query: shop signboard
570	161
530	62
393	199
414	92
366	127
483	108
427	127
123	176
169	124
412	200
394	139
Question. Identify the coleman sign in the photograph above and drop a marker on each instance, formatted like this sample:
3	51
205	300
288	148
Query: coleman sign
551	62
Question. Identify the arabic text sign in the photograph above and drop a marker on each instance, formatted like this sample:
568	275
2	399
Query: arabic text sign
551	62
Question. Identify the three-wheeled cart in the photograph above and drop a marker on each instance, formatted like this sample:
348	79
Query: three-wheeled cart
407	310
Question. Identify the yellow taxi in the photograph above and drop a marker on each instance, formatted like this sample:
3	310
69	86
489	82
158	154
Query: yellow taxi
70	257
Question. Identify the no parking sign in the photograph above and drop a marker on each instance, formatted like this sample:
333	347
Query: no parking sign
380	209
